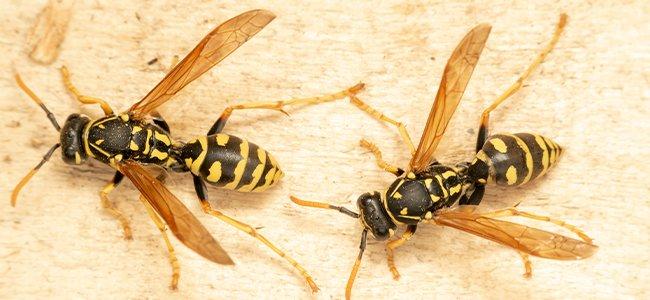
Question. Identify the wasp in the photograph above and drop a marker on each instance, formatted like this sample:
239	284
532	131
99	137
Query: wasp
141	137
428	190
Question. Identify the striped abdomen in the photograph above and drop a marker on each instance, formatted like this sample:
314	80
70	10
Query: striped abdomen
229	162
514	159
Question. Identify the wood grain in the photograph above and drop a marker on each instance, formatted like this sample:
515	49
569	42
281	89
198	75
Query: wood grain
591	95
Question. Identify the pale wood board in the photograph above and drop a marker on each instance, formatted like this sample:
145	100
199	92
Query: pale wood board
591	96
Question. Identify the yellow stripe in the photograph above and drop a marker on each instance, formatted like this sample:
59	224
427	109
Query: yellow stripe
100	150
267	181
163	138
499	145
257	173
215	172
146	142
542	145
196	164
158	154
445	194
133	146
222	139
136	129
553	152
511	175
529	158
241	165
448	174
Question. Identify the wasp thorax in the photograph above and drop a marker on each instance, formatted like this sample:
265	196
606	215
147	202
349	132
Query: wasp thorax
72	139
374	217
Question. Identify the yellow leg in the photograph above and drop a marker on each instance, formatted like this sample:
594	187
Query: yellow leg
380	161
252	232
510	212
392	245
176	268
519	83
527	264
81	98
381	117
108	205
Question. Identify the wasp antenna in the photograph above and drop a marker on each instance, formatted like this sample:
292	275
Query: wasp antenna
38	101
357	263
340	209
21	184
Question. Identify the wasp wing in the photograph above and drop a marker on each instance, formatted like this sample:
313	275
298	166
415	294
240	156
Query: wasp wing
180	220
522	238
214	47
452	85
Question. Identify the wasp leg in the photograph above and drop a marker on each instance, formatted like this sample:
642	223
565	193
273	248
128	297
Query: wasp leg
528	266
176	269
381	117
392	245
81	98
108	205
511	212
483	130
279	105
380	161
201	192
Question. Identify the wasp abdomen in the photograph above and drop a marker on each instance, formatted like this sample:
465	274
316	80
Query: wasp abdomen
230	162
514	159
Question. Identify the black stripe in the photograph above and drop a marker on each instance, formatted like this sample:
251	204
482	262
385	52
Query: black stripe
251	164
535	151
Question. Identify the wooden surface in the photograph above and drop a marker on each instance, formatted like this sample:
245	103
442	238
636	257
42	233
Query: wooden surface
591	96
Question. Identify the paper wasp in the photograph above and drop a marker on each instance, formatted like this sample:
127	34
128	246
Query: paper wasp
427	190
140	136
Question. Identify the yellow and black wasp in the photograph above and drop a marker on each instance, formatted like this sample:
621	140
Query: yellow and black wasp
426	192
140	136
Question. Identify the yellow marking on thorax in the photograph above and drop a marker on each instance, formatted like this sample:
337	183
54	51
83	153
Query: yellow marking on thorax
529	158
124	117
448	174
118	157
195	165
163	138
99	142
257	173
434	198
499	145
77	158
442	186
455	189
404	211
410	175
511	175
483	157
146	142
428	181
158	154
397	195
136	129
101	126
85	140
215	172
101	150
133	146
241	166
222	139
428	216
104	121
542	145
